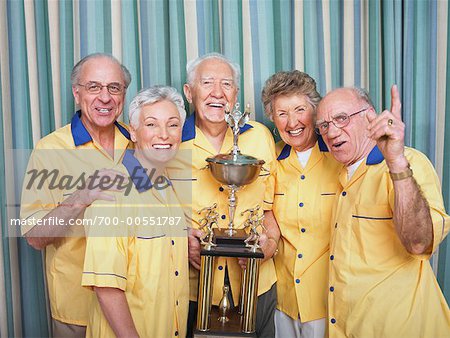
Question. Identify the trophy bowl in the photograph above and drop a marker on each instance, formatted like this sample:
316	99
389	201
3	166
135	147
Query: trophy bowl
237	170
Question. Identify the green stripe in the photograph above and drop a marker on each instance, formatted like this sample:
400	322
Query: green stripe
130	50
5	242
44	68
177	45
232	37
374	54
66	51
335	44
443	275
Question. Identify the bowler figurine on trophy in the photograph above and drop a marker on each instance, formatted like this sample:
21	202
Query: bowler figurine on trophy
234	171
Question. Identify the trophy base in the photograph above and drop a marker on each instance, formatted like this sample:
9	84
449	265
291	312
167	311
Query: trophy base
222	237
230	329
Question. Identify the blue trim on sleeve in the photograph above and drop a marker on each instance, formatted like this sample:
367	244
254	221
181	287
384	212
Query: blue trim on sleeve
375	156
103	274
81	135
285	152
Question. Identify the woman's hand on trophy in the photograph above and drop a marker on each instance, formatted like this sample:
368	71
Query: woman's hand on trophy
194	246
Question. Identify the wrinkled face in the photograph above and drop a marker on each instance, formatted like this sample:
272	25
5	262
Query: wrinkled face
293	116
158	135
212	89
350	143
99	110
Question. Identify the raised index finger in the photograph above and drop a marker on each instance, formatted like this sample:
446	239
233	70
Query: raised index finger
396	105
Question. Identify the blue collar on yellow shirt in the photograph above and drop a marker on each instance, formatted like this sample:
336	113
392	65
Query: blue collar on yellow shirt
287	149
138	174
81	135
189	128
375	156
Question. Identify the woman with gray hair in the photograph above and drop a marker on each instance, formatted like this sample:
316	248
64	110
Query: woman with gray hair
140	274
306	182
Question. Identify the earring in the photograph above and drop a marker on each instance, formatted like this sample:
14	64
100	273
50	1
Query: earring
274	131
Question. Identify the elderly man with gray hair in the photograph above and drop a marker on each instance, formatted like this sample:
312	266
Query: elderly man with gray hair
388	219
212	85
91	141
140	272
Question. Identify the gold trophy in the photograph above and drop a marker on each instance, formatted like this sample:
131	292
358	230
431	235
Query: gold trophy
233	170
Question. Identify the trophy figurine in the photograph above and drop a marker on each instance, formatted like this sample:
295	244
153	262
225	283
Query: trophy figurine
233	170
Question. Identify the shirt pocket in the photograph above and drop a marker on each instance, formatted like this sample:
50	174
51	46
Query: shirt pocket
327	198
374	237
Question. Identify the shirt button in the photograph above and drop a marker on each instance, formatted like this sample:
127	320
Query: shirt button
176	273
335	226
301	204
333	321
220	189
299	255
173	242
344	193
297	281
303	230
331	288
220	267
223	216
177	303
176	333
331	257
302	177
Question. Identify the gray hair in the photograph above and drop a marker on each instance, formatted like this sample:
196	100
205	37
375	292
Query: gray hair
75	76
192	65
289	83
363	95
152	95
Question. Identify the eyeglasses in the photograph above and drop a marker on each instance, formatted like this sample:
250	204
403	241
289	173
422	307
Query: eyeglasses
208	83
340	121
93	87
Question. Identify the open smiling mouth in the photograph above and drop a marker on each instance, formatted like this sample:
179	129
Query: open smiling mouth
216	105
162	146
103	110
296	131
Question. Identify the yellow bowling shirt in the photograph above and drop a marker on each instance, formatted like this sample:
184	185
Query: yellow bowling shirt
254	140
149	262
377	288
69	151
303	203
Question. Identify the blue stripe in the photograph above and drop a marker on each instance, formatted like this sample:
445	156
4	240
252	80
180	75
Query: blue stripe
103	274
153	237
357	41
373	218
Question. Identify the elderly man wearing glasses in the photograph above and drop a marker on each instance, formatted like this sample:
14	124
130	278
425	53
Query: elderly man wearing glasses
93	140
388	219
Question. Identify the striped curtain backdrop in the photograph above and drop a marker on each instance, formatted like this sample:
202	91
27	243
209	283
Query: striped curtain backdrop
366	43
